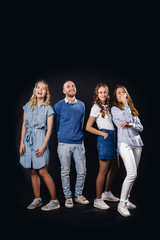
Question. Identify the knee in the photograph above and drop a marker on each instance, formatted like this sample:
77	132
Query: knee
102	173
81	170
65	172
132	176
34	173
43	173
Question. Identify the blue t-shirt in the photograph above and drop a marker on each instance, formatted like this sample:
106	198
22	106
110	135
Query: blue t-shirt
68	122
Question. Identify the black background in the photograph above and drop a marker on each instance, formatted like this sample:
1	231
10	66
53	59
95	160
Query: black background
86	72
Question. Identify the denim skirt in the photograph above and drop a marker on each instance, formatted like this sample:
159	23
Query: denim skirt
107	147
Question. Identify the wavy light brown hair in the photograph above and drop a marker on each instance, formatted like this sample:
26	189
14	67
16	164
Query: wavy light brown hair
129	100
33	99
98	101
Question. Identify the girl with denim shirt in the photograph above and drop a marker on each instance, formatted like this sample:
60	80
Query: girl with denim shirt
125	117
35	134
106	145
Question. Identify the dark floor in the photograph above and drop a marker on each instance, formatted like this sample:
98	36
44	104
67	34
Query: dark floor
72	223
80	218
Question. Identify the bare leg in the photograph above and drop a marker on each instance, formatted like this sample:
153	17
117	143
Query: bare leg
111	174
35	183
49	182
103	169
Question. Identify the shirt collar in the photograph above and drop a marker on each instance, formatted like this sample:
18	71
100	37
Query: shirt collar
43	104
67	101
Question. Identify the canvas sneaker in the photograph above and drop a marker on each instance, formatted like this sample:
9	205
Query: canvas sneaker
100	204
37	202
123	210
109	197
81	199
131	205
69	203
52	205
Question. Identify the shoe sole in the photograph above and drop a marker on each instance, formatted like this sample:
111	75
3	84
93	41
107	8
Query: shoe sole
132	208
83	203
47	209
100	207
110	200
123	213
39	205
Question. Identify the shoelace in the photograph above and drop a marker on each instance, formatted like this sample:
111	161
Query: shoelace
82	198
35	201
51	203
69	201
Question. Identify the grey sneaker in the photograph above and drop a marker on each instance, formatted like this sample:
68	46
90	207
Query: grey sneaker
37	202
69	203
81	199
52	205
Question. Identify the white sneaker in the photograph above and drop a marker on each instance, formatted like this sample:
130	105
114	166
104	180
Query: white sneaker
69	203
109	197
81	199
131	205
123	210
100	204
37	202
51	205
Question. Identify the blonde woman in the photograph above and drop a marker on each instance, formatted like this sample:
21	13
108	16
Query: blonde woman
35	134
125	117
106	145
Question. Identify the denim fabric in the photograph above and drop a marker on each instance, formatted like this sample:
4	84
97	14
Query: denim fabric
36	123
106	147
65	151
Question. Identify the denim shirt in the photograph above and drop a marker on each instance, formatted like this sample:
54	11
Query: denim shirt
128	135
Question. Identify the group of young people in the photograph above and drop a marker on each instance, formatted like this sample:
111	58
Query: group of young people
67	120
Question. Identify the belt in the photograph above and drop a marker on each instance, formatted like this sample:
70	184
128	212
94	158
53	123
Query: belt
30	134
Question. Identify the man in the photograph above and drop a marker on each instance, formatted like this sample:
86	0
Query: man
69	118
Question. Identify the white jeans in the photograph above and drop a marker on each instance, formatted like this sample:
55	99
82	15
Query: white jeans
131	158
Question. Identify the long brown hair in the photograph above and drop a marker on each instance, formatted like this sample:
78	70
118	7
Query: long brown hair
129	100
97	101
33	99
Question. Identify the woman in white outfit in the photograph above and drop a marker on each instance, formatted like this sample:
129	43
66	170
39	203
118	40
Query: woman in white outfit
125	117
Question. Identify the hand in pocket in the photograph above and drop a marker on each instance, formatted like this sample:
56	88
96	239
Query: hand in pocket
105	135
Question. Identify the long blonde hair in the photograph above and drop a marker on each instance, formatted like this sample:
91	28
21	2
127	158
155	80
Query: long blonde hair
98	101
33	99
129	100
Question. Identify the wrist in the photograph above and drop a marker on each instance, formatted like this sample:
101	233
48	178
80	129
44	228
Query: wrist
103	134
44	146
125	104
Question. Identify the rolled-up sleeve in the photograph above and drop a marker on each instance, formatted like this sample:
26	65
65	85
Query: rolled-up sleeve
137	126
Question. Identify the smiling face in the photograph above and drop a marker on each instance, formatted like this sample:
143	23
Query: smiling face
69	89
102	94
40	90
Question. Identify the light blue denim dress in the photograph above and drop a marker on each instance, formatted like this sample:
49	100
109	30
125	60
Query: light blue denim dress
36	123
